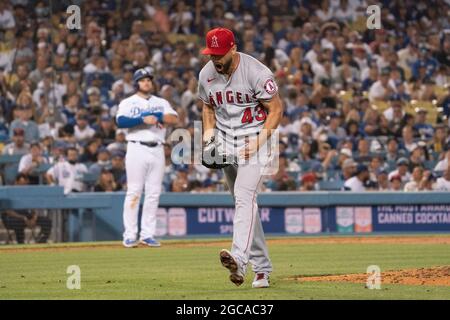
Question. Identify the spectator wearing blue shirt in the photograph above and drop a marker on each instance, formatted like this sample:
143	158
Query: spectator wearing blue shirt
24	121
425	61
421	128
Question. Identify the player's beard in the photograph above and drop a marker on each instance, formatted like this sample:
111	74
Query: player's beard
145	91
223	68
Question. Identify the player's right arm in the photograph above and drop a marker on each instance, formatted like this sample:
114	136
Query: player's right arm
208	113
209	121
125	121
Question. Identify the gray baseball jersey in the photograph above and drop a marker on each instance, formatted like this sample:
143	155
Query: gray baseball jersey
239	113
236	101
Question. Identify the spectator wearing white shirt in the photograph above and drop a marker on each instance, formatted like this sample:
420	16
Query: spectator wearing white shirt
345	12
83	130
357	182
31	161
181	19
383	88
395	112
443	164
52	90
7	20
68	173
416	182
402	170
325	12
443	183
408	139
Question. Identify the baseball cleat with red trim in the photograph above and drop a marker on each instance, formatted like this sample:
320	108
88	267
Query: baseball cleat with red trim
229	262
261	280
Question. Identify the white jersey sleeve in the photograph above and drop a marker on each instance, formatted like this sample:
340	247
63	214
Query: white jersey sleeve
168	108
201	90
264	86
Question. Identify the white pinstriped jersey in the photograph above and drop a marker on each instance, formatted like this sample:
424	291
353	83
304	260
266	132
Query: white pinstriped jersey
134	106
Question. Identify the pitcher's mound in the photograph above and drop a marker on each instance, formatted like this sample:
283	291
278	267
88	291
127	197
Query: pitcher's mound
436	276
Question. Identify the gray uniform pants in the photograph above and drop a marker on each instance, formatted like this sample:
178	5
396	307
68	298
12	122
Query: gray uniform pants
249	244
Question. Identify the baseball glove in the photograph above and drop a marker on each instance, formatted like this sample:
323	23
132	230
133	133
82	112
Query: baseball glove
210	157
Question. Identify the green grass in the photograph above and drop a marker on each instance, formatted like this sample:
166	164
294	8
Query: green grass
177	272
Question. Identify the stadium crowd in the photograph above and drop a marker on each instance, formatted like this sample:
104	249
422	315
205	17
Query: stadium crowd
364	109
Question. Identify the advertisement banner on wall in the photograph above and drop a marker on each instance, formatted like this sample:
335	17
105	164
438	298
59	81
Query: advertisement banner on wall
177	222
363	219
293	220
344	219
161	222
312	219
219	220
411	218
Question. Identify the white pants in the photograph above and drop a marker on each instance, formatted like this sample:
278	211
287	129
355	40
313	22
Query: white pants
145	170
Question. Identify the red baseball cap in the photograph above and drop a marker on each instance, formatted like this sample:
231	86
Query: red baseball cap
218	42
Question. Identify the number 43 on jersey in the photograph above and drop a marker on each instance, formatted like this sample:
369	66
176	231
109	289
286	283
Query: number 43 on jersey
259	114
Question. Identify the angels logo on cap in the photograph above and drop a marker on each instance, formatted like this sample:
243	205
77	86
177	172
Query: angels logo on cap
214	43
218	42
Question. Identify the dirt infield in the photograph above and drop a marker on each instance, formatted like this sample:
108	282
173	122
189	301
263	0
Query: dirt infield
437	276
416	239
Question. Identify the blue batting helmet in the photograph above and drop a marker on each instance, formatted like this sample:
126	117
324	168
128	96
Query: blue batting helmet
141	74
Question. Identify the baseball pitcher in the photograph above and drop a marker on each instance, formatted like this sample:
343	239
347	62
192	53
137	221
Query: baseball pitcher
144	115
241	112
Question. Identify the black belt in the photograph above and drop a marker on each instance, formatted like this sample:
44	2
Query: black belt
147	144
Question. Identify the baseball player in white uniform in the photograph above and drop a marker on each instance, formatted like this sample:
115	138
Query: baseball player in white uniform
144	115
241	112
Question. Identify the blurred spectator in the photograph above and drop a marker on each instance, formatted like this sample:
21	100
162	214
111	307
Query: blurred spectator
443	183
83	130
180	183
402	170
7	20
24	114
348	169
308	182
29	163
18	220
106	182
68	173
395	183
118	168
103	162
90	152
382	180
119	142
358	181
443	163
416	182
383	88
18	146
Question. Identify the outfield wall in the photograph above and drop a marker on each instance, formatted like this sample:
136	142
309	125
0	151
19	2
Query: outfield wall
98	216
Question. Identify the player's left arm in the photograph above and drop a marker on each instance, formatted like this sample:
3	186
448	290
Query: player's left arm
170	119
274	109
